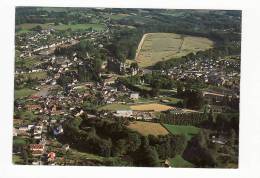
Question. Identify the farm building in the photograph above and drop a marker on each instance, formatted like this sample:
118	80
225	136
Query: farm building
124	113
134	96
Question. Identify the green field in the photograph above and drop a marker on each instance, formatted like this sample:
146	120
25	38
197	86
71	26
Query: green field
188	131
35	75
17	159
155	47
28	62
23	93
28	26
114	107
19	141
179	162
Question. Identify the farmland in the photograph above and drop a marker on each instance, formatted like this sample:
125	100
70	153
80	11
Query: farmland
155	47
148	128
151	106
188	131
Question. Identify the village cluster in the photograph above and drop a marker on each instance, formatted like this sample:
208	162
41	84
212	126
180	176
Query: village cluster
58	82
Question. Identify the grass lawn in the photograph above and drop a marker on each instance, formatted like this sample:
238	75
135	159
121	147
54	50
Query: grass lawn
23	93
188	131
179	162
114	107
19	141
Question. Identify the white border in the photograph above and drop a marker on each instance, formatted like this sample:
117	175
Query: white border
249	158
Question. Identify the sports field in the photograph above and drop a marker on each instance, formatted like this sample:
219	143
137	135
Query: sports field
188	131
155	47
148	128
151	107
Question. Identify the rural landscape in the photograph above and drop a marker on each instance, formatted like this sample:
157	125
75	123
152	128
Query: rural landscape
126	87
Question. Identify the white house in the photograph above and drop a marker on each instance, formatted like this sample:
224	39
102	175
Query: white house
134	96
123	113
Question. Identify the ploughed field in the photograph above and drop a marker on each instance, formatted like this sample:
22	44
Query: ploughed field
155	47
148	128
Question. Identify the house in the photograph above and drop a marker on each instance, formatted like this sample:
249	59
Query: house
167	163
14	132
33	107
36	163
51	156
109	81
37	130
123	113
37	149
116	66
66	147
37	137
58	130
23	128
134	96
219	140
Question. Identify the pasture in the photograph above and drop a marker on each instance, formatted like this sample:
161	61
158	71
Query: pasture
155	47
151	107
188	131
148	128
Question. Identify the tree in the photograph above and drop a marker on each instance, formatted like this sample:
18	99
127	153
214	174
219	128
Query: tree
198	154
146	155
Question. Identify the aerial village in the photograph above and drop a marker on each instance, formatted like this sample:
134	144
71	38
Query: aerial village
59	81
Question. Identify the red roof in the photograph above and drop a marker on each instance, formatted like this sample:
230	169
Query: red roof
36	146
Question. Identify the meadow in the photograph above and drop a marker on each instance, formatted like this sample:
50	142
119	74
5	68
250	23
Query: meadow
155	47
188	131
